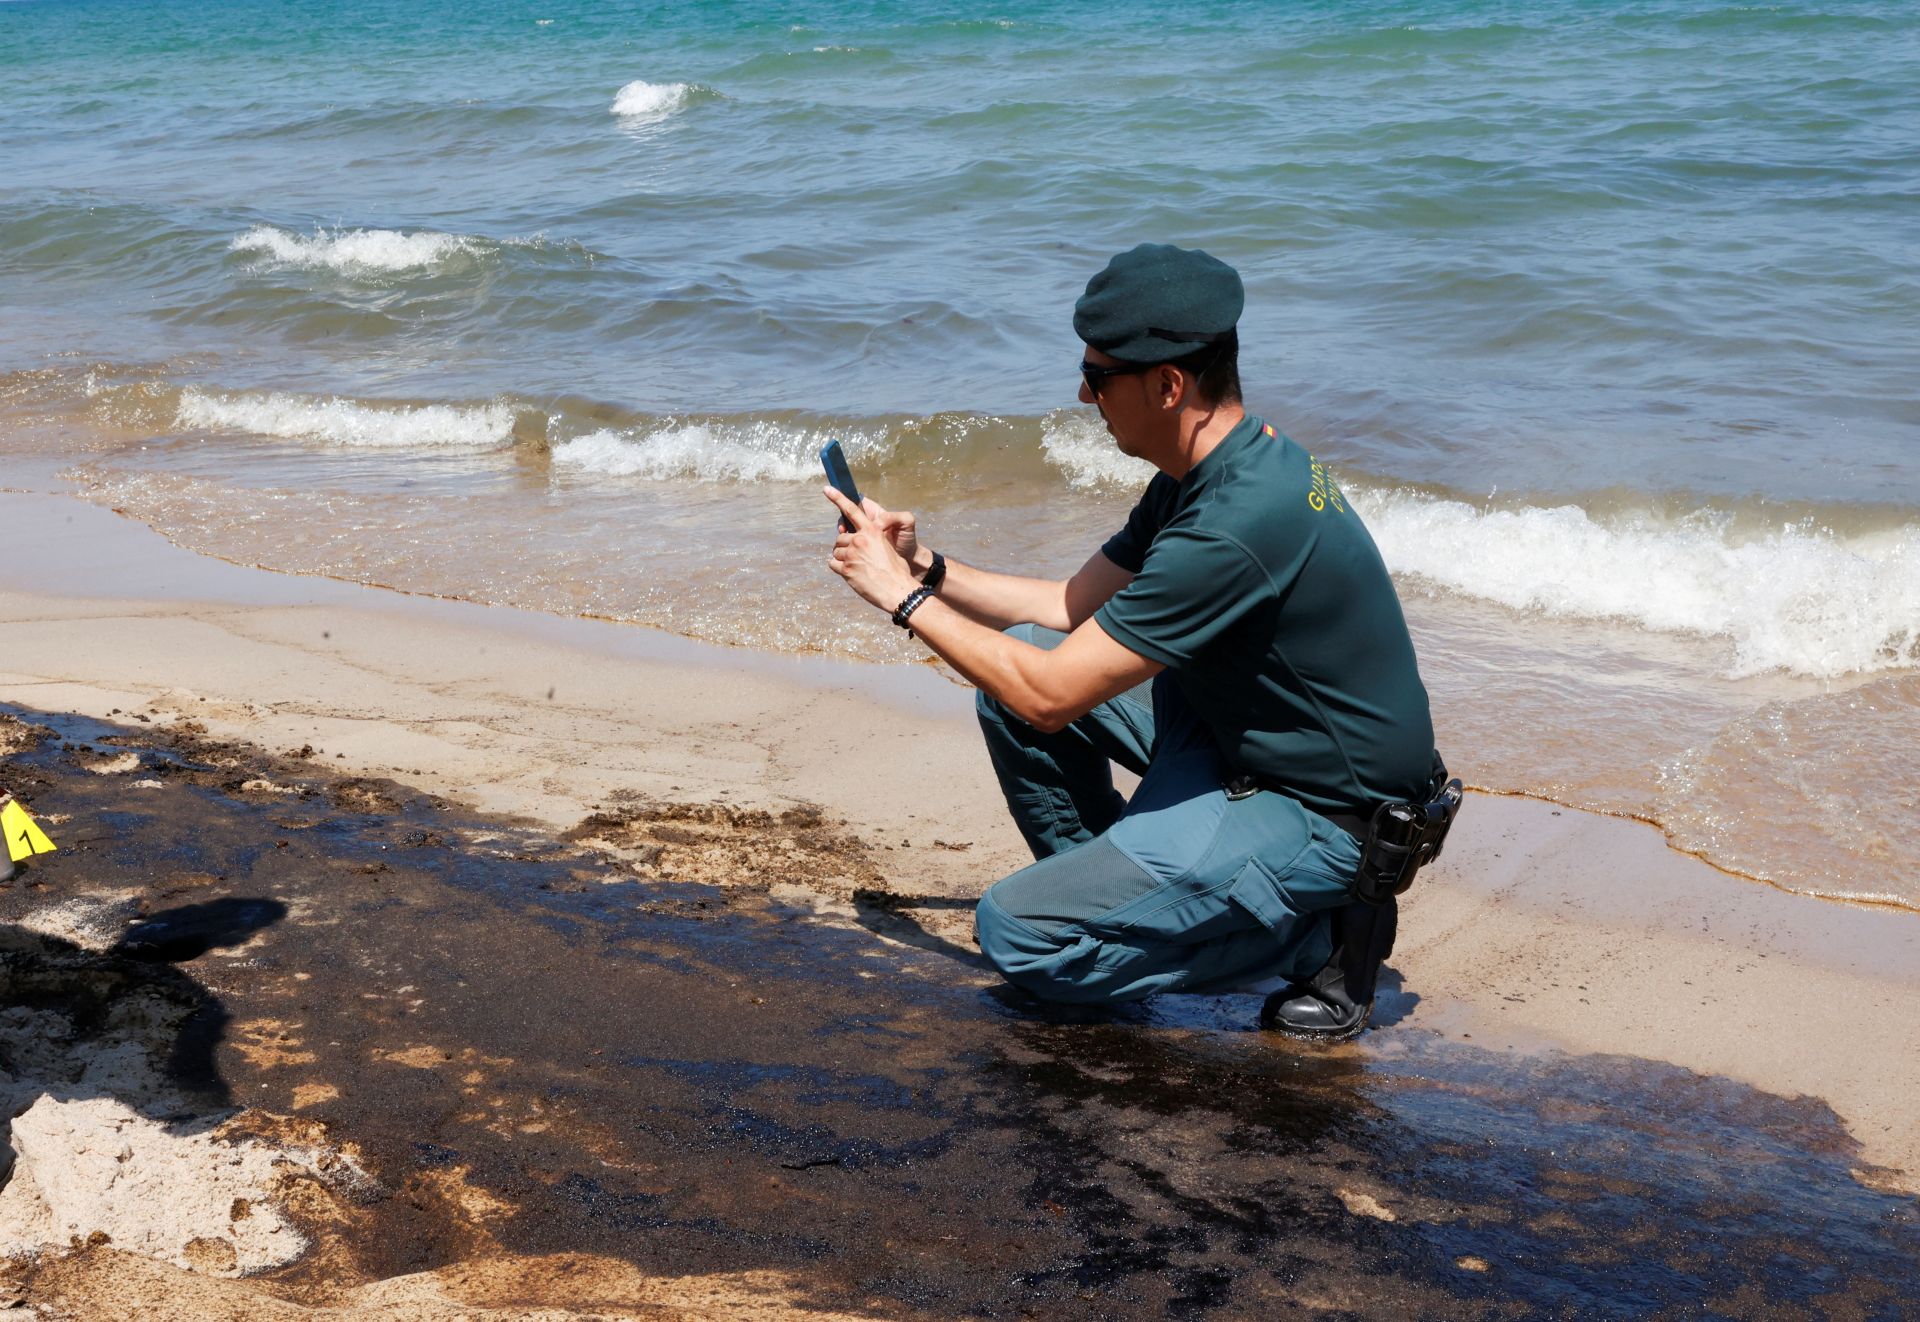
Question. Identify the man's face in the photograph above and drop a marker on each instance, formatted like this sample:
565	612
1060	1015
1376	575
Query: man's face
1125	400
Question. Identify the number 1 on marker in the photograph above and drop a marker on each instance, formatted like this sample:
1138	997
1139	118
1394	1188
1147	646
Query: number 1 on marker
24	836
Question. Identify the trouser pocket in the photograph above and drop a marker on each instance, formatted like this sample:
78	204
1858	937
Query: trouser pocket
1261	894
1303	938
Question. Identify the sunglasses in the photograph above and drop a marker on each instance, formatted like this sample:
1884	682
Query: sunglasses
1094	374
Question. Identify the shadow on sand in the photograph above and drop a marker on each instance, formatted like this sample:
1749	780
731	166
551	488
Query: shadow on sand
122	1023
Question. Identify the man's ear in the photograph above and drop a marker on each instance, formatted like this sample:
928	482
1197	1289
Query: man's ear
1173	386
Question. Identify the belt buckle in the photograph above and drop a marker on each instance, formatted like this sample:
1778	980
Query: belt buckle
1241	787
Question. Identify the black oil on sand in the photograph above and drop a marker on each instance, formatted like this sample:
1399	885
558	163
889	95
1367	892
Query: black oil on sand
699	1077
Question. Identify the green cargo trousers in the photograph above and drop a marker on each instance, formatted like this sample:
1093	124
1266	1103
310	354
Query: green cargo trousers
1179	888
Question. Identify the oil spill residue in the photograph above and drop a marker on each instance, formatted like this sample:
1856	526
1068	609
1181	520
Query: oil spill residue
1602	1186
536	1048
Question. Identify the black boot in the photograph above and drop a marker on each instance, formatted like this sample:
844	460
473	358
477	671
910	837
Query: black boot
1333	1006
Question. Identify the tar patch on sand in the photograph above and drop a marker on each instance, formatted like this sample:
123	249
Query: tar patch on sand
471	1070
737	848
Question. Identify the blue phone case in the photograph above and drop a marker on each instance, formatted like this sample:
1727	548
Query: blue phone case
839	475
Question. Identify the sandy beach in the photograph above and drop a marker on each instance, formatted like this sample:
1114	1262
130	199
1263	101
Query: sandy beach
503	873
800	842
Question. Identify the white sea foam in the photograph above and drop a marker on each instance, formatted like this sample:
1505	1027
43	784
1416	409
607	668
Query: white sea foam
346	422
358	251
1800	599
1079	445
641	102
755	452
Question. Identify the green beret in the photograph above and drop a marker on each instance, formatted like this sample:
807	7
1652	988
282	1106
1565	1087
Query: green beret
1157	302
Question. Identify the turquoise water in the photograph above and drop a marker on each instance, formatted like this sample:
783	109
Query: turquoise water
1541	245
1608	315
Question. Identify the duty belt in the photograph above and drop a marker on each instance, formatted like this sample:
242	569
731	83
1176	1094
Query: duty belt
1244	785
1396	839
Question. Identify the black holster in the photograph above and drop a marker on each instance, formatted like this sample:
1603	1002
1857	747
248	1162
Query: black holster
1402	838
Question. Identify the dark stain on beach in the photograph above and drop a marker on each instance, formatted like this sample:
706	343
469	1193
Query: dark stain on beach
538	1047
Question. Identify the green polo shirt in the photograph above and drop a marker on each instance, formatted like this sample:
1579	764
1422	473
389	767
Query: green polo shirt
1258	586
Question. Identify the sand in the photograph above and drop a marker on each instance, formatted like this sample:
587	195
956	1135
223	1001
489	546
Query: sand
1543	928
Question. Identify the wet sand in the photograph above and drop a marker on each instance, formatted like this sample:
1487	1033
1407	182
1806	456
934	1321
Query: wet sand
577	968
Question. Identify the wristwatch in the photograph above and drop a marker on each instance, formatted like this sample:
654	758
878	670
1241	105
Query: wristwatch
936	573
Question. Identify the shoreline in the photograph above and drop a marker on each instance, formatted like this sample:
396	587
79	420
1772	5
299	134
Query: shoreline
889	681
1699	856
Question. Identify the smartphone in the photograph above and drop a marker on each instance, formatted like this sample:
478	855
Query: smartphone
839	476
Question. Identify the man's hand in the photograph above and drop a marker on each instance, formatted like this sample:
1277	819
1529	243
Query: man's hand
869	557
897	527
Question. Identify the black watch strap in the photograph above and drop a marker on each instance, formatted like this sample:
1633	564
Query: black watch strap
936	573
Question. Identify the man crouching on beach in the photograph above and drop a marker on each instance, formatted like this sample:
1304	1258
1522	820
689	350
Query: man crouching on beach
1238	645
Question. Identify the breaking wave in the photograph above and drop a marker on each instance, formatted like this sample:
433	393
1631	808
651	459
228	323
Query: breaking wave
1800	598
1818	592
642	102
1078	444
745	452
360	250
347	422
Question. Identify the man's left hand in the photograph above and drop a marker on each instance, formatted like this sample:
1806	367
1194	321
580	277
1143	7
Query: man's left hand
866	558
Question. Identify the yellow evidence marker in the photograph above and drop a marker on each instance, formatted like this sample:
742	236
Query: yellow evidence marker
24	836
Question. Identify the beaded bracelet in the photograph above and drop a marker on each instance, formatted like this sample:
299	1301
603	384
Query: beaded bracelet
908	606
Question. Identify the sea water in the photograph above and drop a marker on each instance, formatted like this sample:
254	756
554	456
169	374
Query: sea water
1607	318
